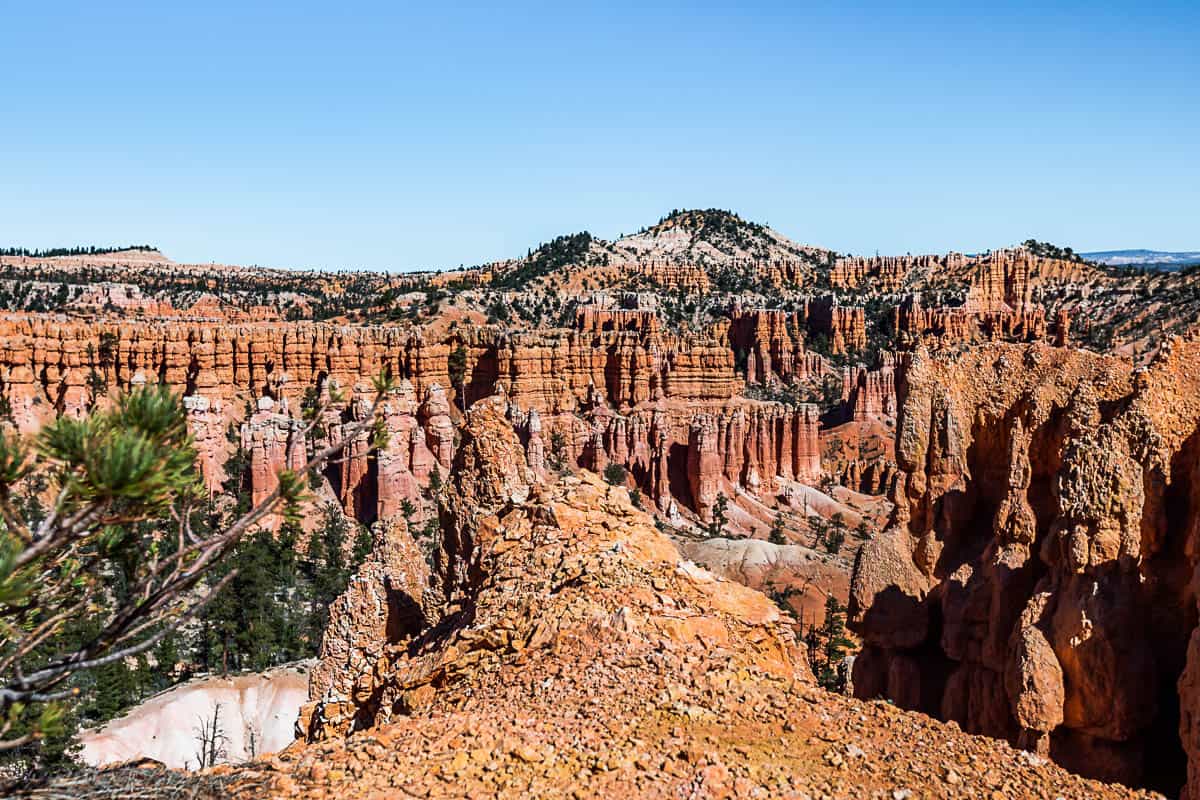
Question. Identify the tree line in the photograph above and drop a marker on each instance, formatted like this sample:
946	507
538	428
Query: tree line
55	252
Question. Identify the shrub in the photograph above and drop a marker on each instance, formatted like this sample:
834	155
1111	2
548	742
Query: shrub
615	474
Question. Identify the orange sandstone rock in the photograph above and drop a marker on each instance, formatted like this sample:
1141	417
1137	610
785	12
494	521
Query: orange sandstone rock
527	578
1034	584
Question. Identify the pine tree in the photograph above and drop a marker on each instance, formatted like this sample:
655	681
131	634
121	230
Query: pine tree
614	474
777	536
719	517
558	450
327	567
131	548
253	624
457	367
827	646
363	543
835	533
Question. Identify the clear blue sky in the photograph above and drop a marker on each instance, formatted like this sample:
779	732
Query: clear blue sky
402	136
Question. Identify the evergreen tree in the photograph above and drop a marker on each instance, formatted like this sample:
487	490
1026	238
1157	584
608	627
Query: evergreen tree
777	536
615	474
253	623
407	510
458	373
327	567
558	450
719	518
435	481
363	542
819	528
827	646
92	612
835	534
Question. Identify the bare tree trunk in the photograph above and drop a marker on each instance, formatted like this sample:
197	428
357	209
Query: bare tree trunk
212	740
251	740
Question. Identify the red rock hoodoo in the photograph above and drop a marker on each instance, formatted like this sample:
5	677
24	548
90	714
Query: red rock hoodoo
627	395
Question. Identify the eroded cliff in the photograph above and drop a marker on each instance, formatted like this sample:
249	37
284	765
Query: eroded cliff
1036	581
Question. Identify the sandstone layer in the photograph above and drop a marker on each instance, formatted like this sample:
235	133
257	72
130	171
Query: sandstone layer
1000	276
622	393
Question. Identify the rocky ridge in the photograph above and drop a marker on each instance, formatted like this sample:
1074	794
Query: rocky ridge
576	654
692	250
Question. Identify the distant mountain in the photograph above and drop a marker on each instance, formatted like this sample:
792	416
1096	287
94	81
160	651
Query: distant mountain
712	236
712	239
1157	259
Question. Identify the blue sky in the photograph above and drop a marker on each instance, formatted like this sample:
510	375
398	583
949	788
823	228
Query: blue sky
397	136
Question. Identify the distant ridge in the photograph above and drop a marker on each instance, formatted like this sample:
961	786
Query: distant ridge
1158	259
59	252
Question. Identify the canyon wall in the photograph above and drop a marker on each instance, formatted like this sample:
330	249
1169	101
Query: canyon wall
627	395
554	370
912	322
1035	583
888	273
845	325
773	340
598	319
685	453
45	364
871	393
1001	302
1001	282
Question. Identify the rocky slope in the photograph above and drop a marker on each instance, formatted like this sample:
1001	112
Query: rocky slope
576	654
713	236
794	574
1036	582
546	564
